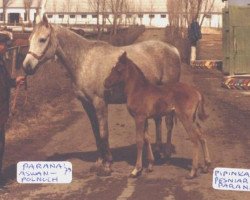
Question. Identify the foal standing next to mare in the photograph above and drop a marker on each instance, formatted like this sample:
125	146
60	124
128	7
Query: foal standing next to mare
145	100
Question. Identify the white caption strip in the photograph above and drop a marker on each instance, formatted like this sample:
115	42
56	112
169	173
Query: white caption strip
231	179
44	172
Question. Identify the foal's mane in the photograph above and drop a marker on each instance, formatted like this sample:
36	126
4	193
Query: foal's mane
133	66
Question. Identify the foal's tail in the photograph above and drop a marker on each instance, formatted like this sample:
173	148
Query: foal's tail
201	110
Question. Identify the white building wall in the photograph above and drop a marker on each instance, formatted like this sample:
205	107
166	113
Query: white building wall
19	11
215	20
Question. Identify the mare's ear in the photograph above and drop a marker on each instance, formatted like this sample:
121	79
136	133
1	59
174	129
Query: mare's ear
45	20
38	19
123	58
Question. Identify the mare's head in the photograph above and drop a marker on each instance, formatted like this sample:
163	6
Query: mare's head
118	72
43	45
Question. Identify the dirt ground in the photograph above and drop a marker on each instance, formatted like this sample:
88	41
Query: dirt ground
61	131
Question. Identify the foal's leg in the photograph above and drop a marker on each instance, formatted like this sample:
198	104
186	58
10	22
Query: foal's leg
140	127
2	146
194	137
150	155
206	154
158	149
169	124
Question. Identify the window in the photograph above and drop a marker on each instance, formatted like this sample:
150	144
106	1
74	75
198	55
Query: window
84	16
1	16
49	16
72	16
140	15
61	16
151	16
163	16
94	16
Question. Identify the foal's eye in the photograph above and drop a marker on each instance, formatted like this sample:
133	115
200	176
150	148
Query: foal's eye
42	40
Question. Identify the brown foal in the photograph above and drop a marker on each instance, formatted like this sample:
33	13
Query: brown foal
145	100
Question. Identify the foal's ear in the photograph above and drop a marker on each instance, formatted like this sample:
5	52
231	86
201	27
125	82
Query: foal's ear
45	20
123	58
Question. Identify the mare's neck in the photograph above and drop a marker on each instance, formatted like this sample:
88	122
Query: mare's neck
135	80
71	50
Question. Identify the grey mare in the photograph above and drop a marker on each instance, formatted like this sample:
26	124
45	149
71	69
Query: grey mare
89	63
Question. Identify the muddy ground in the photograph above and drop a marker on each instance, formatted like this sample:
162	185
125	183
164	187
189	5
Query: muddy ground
58	129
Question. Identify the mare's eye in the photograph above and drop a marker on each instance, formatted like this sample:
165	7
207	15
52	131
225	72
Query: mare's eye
42	40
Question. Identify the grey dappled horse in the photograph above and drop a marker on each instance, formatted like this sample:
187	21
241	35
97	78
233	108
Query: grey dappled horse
89	63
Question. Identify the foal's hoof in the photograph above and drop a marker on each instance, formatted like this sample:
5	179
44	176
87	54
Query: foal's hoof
205	169
150	167
191	176
135	173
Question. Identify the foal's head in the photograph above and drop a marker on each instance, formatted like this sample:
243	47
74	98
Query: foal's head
118	72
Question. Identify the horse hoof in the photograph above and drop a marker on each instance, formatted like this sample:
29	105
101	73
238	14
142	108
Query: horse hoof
94	168
98	164
191	176
158	155
103	171
2	181
149	170
169	151
205	169
135	173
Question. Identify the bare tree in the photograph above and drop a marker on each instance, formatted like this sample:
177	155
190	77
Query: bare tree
116	8
95	5
6	3
67	8
151	9
182	12
27	6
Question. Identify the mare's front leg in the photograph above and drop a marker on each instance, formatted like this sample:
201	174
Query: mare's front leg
102	116
158	149
91	112
170	125
140	127
2	146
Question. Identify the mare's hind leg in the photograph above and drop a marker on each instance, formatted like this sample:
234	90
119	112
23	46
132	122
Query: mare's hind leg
91	112
2	146
205	150
169	124
158	150
140	127
150	156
